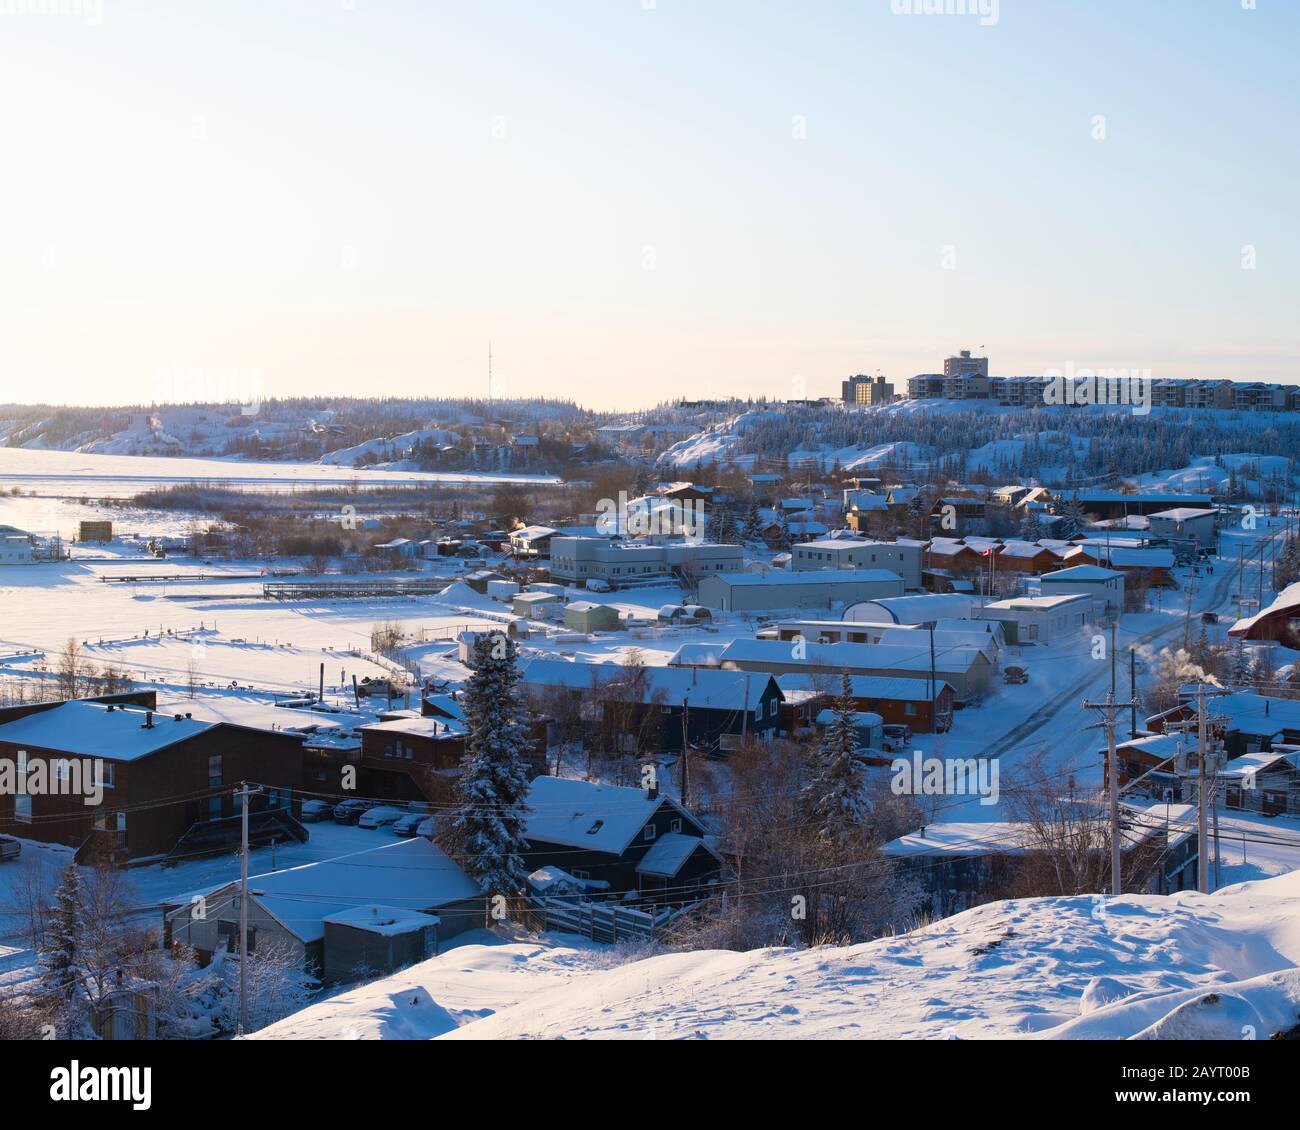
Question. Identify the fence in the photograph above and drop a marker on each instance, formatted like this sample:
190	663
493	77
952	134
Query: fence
606	923
354	590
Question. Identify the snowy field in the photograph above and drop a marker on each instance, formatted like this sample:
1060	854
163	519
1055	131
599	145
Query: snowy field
73	473
1188	965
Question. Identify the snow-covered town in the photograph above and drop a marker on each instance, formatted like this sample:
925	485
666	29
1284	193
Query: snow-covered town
492	741
653	522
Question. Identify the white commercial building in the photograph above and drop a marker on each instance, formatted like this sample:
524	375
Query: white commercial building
1091	580
1043	619
1185	523
821	588
584	559
846	553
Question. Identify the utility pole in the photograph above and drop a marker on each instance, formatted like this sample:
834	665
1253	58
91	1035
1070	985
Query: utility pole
932	683
245	791
1110	706
1132	694
1202	837
1113	626
1214	799
686	745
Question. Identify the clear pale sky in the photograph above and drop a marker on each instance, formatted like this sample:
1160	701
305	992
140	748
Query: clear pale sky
355	196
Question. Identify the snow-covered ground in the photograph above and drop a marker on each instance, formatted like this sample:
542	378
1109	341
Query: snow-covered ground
39	865
74	473
1141	966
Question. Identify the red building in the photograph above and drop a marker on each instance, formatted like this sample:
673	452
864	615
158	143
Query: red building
124	781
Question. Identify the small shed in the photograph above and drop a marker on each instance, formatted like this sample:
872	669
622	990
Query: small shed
585	616
536	605
502	589
369	941
868	727
478	580
547	586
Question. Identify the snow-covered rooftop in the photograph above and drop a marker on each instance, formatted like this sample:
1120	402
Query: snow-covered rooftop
808	577
882	687
707	688
1086	573
412	874
581	814
669	854
91	729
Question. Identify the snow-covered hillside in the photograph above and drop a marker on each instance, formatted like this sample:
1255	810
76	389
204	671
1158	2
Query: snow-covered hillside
1167	448
389	453
1187	966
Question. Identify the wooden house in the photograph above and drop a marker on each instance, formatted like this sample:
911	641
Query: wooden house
619	840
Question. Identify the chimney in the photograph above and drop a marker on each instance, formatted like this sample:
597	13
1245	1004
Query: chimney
148	720
652	789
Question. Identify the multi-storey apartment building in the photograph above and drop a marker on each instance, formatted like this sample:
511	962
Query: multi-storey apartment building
867	390
926	386
964	365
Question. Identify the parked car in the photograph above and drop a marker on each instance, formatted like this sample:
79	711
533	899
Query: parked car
379	817
427	826
314	810
9	847
896	737
1209	617
598	585
408	824
1016	675
369	686
349	811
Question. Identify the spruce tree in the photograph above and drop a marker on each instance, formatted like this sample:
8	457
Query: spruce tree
60	949
1030	528
836	791
1072	520
494	781
1239	666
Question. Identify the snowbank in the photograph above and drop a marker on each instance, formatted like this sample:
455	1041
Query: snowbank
1137	967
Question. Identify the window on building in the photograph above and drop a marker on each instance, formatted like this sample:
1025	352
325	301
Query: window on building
23	808
214	770
214	808
228	932
649	832
675	825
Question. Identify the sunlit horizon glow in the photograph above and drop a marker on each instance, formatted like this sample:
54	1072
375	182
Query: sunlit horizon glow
638	202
